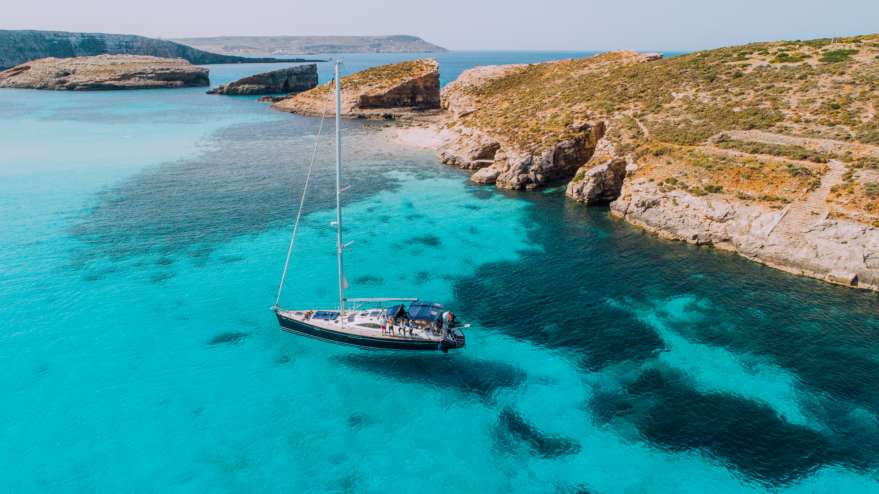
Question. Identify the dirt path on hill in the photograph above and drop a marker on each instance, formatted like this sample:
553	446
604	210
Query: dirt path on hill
801	216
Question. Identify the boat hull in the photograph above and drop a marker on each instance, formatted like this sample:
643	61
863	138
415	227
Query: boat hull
303	328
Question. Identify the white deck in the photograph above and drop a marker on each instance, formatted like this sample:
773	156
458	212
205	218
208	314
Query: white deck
371	323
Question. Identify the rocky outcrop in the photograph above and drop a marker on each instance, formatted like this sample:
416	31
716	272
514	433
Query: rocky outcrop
508	134
835	250
283	81
599	184
388	91
104	72
600	180
18	47
527	170
510	168
469	150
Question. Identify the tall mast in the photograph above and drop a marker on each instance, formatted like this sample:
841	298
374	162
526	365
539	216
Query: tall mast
339	191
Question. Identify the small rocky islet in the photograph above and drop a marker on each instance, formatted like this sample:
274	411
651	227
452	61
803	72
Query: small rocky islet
104	72
769	150
388	91
282	81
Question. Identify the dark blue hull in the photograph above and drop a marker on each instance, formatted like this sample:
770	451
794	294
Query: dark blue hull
303	328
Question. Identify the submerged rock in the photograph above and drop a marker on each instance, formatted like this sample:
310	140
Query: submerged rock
104	72
231	337
288	80
542	444
387	91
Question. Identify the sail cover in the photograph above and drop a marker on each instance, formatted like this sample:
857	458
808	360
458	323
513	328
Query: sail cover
396	311
425	311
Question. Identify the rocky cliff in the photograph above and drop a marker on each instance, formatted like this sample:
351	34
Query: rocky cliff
388	91
770	150
17	47
510	128
283	81
104	72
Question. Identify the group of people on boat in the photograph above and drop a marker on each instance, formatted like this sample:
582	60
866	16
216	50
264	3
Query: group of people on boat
423	316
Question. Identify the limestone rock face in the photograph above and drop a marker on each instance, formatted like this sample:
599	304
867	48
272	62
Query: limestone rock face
836	250
600	184
388	91
528	171
470	152
104	72
283	81
515	169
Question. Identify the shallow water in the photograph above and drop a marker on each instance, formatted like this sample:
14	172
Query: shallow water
142	235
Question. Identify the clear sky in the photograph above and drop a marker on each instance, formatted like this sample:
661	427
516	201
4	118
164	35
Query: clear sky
467	24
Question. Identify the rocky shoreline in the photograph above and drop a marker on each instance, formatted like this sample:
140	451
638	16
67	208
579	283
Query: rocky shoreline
694	148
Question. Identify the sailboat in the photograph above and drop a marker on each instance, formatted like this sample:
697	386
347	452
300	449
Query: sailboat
388	323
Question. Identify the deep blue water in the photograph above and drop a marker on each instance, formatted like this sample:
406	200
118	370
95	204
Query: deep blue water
142	235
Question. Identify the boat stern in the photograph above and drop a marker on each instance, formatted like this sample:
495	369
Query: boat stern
454	340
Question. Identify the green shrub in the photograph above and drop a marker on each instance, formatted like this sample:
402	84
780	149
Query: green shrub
871	190
818	43
835	56
798	171
785	57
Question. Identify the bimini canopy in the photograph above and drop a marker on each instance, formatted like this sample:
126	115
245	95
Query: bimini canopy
425	311
396	311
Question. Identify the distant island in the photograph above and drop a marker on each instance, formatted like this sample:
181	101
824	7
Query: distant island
17	47
310	45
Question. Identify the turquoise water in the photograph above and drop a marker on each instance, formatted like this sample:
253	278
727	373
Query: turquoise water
142	235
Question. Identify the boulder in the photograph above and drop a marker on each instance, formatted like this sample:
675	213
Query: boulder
485	176
104	72
469	152
282	81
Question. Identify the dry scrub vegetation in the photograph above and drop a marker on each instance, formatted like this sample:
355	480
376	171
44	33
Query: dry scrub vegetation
824	90
383	76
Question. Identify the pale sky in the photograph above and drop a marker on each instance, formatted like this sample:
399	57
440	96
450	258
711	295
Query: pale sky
467	24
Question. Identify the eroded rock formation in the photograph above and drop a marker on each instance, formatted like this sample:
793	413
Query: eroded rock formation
104	72
512	168
282	81
389	91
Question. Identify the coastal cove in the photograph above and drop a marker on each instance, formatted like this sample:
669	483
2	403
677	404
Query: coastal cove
141	234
